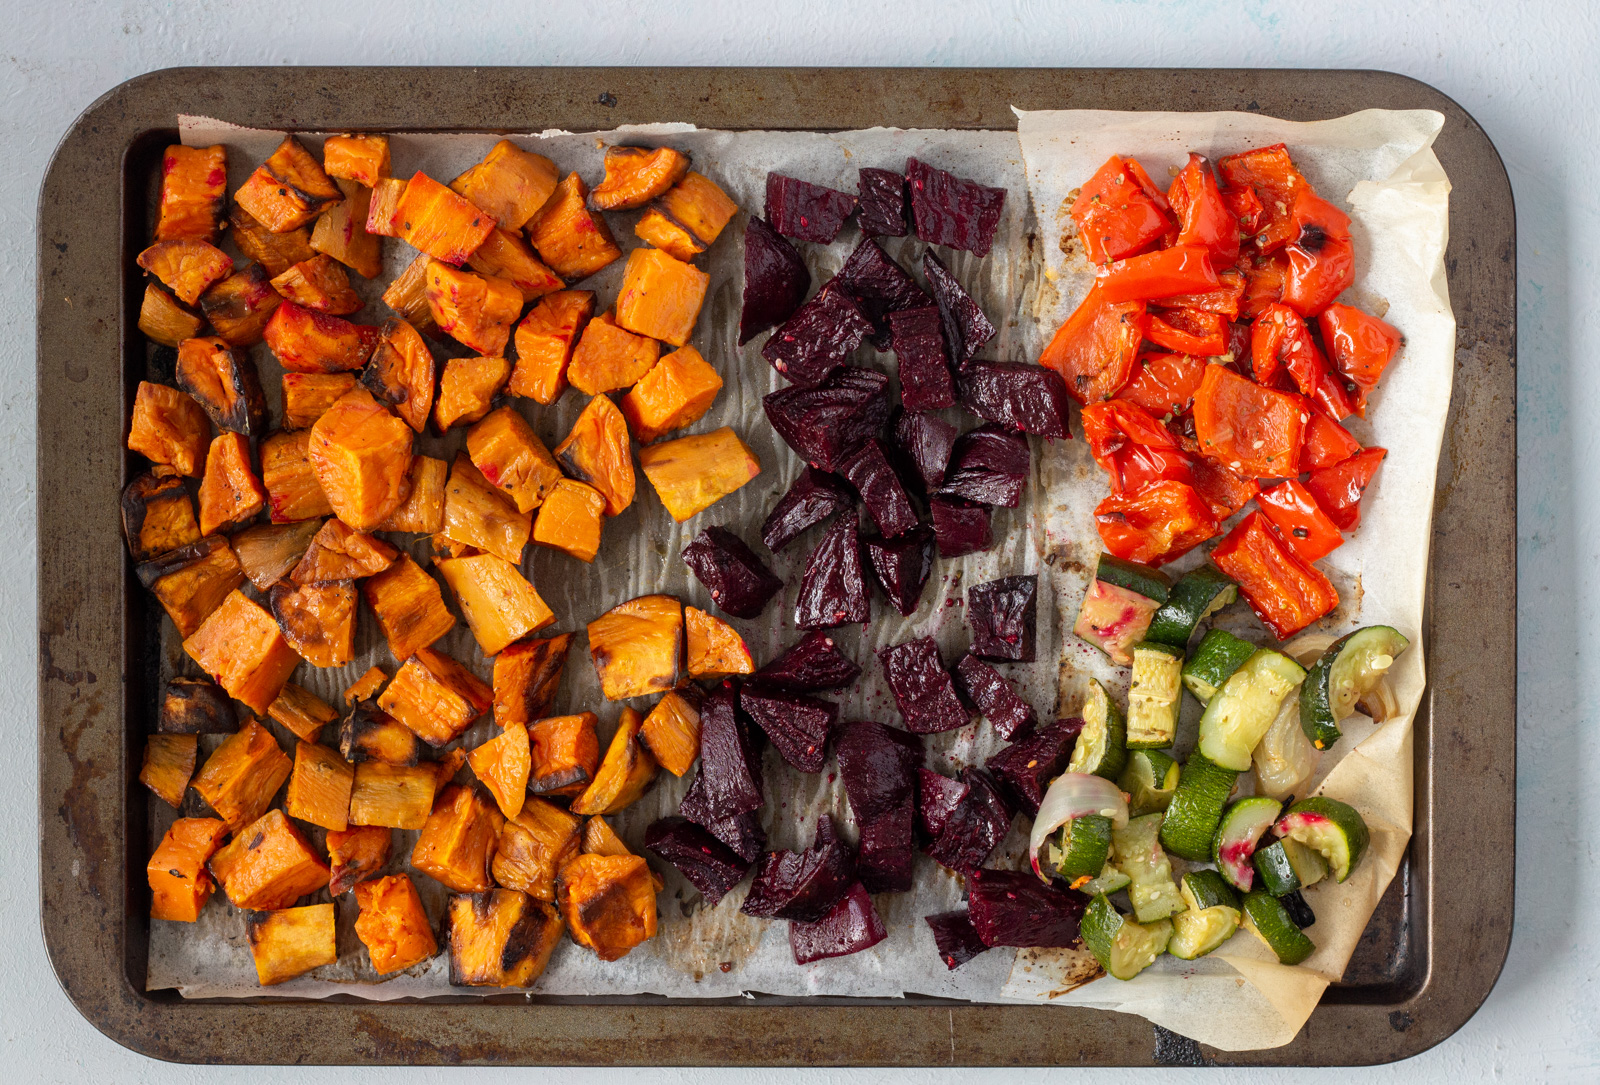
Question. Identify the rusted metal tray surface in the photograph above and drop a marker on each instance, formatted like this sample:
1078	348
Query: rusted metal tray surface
1431	953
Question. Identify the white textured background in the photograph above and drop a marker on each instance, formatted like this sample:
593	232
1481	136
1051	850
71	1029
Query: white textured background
1527	71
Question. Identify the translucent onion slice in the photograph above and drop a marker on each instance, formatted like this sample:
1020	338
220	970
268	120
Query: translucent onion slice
1307	648
1284	757
1070	795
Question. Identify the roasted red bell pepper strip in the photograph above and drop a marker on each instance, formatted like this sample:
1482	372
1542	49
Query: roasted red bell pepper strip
1178	270
1204	218
1246	208
1322	258
1114	424
1159	523
1300	520
1280	341
1094	350
1360	346
1263	283
1286	592
1188	331
1276	182
1338	488
1224	300
1135	466
1325	443
1164	384
1223	490
1253	431
1118	215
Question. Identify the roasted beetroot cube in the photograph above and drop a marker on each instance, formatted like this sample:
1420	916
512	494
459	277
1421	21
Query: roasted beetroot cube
965	327
818	337
1013	908
827	423
927	442
878	765
802	885
881	202
805	211
851	926
937	798
953	211
775	280
814	497
974	828
922	687
729	783
833	589
885	850
739	582
1024	769
922	359
743	834
796	724
814	663
901	567
989	466
880	286
881	490
1021	395
960	526
1004	618
987	690
956	937
708	864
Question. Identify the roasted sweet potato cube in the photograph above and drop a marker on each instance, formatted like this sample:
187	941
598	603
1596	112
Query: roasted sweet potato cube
169	428
361	454
341	233
293	492
609	903
526	677
408	296
508	454
676	393
398	796
164	320
423	509
439	222
230	493
476	310
275	252
239	306
507	255
716	650
224	382
655	227
393	925
301	711
572	240
319	787
688	217
637	646
691	474
370	734
409	607
320	284
571	519
480	515
608	357
288	190
192	581
168	764
242	775
318	620
383	209
436	697
291	942
534	845
180	885
596	451
467	389
626	773
187	268
672	732
458	841
510	184
240	646
363	159
502	764
449	763
499	603
268	552
402	373
157	516
196	706
501	938
599	838
194	181
268	864
365	687
637	175
545	340
660	296
307	396
306	341
565	752
338	553
446	547
356	854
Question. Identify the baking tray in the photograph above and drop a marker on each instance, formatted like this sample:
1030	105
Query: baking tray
1431	952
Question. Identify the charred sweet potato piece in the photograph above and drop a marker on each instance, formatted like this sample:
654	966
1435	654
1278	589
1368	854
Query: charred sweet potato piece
194	181
306	341
608	357
307	396
444	225
168	763
409	607
242	648
341	232
224	382
572	240
450	762
364	687
672	731
596	451
361	454
527	674
393	925
609	903
288	190
169	428
398	796
187	268
571	519
301	711
508	454
383	210
407	295
637	646
675	393
599	838
660	296
480	515
510	184
319	787
690	474
507	255
502	765
435	697
338	553
230	493
318	620
362	159
196	706
356	854
268	864
293	492
476	310
239	306
499	603
715	649
180	885
164	320
291	941
687	218
370	734
626	773
242	774
401	373
275	252
467	389
565	753
534	845
501	938
319	283
267	552
192	581
545	340
157	516
458	840
637	175
423	509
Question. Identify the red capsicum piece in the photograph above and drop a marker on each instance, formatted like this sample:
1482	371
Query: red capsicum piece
1188	331
1263	283
1157	524
1184	269
1135	466
1338	488
1118	214
1223	490
1246	208
1276	182
1300	520
1280	342
1322	258
1224	300
1286	592
1361	347
1112	425
1326	443
1164	384
1095	349
1204	217
1253	431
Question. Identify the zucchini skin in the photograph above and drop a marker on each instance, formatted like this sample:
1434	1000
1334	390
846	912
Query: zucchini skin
1273	867
1196	808
1147	581
1218	655
1318	716
1198	593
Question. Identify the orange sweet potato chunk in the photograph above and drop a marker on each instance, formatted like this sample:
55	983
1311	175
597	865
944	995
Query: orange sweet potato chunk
688	217
306	341
476	310
225	384
402	373
320	284
609	357
268	864
626	773
565	752
370	734
293	492
609	903
637	175
275	252
192	581
457	842
502	765
396	796
545	340
439	222
499	603
383	209
527	675
534	845
356	854
691	474
423	510
508	454
408	296
572	240
241	647
511	184
467	389
660	296
393	925
637	646
361	454
362	159
187	268
596	451
164	320
301	711
371	680
599	838
341	232
180	884
436	697
242	775
290	942
482	516
501	938
230	493
571	519
507	255
338	552
307	396
715	649
676	393
194	181
319	787
318	620
169	428
409	607
157	516
672	731
288	190
168	763
239	306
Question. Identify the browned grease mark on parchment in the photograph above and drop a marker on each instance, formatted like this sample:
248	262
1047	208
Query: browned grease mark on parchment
708	938
1066	969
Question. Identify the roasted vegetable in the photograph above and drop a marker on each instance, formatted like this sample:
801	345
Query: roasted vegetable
240	646
170	428
291	942
341	233
501	938
637	175
157	516
458	840
192	581
675	393
499	603
502	764
441	223
479	515
715	649
370	734
168	764
371	680
268	864
687	218
293	492
609	357
241	776
739	582
508	454
423	509
609	903
306	341
545	339
570	519
180	884
510	184
637	646
196	706
194	181
435	696
318	620
409	607
164	320
599	838
526	677
338	553
187	268
626	773
672	730
307	396
401	373
288	190
534	845
393	925
476	310
467	389
571	239
362	159
224	382
275	252
319	787
239	306
565	753
506	255
302	712
361	454
407	295
596	451
319	284
355	855
660	296
399	796
230	493
690	474
267	552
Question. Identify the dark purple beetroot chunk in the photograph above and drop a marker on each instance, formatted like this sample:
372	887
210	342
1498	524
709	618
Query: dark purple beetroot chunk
950	210
814	497
974	828
833	590
802	885
775	280
985	688
1004	618
818	337
927	441
881	490
809	212
937	798
739	582
989	466
965	327
956	937
814	663
922	359
880	286
826	423
1024	769
901	567
708	863
743	834
1012	908
878	765
1021	395
922	687
851	926
797	725
884	852
881	206
729	783
960	526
